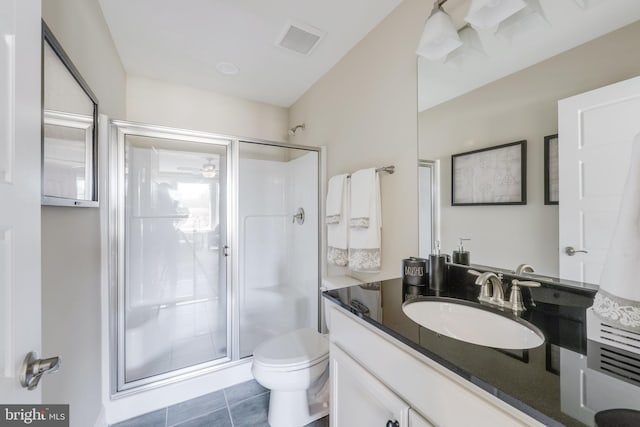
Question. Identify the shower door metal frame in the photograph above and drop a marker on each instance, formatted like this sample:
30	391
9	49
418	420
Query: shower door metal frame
118	130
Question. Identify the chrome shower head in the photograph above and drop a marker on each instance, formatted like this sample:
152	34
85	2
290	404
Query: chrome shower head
293	130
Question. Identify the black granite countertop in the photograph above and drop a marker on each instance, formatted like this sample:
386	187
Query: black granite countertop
530	380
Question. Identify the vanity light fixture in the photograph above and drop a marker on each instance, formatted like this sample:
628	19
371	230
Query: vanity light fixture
439	37
471	48
585	4
487	14
529	19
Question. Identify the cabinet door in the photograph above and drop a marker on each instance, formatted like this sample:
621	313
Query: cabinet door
416	420
359	399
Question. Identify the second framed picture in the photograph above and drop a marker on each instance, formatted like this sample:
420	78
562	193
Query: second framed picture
490	176
551	170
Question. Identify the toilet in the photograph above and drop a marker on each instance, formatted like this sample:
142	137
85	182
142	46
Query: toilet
295	367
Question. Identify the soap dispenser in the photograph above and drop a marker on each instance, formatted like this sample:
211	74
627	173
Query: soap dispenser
460	256
437	269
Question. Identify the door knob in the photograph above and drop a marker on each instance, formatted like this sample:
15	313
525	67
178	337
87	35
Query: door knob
33	369
569	250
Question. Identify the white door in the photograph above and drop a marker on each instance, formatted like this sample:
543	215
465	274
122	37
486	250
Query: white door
596	130
19	193
359	399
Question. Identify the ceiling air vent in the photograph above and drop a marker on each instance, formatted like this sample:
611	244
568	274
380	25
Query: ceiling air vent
300	38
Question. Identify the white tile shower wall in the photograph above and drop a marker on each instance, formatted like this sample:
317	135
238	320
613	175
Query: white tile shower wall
303	266
278	259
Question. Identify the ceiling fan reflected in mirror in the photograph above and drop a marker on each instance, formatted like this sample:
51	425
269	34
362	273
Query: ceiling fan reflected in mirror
208	170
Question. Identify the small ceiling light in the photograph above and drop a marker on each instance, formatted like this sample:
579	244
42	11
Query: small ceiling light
227	68
529	19
439	37
486	14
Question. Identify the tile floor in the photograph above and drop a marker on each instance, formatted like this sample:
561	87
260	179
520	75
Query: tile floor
242	405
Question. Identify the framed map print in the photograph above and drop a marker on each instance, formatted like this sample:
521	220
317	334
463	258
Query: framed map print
490	176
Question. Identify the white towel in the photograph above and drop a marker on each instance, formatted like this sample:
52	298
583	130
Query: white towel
338	234
365	243
362	197
618	300
335	207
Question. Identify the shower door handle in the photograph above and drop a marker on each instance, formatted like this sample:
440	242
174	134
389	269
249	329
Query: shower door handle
225	250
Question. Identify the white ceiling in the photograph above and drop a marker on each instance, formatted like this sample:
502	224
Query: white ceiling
568	26
183	41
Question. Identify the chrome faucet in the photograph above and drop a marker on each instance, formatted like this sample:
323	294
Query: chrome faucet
523	268
491	291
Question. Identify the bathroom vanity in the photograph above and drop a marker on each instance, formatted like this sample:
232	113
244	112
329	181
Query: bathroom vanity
385	368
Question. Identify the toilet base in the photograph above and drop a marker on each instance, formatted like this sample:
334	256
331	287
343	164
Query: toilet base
299	408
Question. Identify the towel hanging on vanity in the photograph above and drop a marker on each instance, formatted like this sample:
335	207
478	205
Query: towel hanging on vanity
618	300
337	224
365	222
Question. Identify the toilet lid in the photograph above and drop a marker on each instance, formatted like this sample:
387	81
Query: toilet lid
300	347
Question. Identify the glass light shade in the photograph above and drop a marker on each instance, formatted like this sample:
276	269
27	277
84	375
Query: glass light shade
439	37
486	14
585	4
471	49
529	19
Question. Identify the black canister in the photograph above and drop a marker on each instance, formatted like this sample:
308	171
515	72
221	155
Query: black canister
438	269
415	271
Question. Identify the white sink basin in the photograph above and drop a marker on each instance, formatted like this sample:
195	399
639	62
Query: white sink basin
473	323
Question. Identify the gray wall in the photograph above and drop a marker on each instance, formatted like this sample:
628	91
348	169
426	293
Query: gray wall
71	236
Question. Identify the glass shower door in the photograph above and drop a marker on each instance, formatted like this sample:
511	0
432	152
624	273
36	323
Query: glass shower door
172	293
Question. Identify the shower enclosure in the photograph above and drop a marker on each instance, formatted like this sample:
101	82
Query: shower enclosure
215	243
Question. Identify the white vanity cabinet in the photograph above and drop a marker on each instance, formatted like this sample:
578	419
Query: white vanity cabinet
416	420
377	379
359	399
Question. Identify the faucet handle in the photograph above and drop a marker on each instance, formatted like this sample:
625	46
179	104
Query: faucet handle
525	283
515	298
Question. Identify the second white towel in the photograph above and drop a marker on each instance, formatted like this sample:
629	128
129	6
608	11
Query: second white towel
338	231
365	223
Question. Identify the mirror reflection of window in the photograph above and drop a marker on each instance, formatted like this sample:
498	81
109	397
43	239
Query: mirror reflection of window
69	115
68	155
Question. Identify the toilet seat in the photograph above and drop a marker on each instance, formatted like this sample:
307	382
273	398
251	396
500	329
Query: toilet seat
298	349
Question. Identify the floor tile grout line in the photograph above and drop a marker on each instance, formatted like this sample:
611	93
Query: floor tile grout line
249	398
226	401
195	416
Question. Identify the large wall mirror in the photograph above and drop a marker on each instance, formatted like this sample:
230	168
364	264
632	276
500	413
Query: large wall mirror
69	130
505	87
